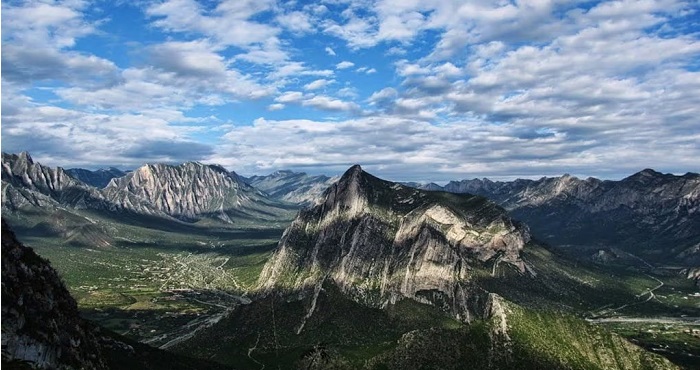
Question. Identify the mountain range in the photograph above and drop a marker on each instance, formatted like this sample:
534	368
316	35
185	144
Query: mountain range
419	277
654	216
293	187
369	274
49	201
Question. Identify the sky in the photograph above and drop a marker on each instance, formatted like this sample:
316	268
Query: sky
413	90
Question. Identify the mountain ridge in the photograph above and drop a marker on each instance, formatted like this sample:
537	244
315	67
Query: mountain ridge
187	192
645	211
380	241
290	186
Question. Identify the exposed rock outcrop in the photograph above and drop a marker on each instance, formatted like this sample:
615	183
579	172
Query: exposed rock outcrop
381	242
191	191
40	320
649	213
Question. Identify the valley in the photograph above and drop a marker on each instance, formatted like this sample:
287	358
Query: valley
369	275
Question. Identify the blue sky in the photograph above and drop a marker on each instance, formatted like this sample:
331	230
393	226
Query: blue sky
412	90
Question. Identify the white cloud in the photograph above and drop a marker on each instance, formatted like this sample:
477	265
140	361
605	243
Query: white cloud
276	106
296	21
330	51
344	65
229	23
317	84
329	104
290	97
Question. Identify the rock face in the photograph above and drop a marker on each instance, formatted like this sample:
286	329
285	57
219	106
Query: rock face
40	320
192	191
380	242
25	183
42	328
99	178
293	187
188	192
649	213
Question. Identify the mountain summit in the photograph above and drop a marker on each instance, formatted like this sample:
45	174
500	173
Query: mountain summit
191	191
380	241
653	215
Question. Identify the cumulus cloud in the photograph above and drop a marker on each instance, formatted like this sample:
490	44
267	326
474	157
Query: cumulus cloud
473	88
329	104
317	84
344	65
405	149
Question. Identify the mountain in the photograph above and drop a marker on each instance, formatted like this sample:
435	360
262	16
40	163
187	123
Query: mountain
380	242
25	183
378	275
293	187
423	186
40	320
653	215
193	191
42	328
99	178
188	192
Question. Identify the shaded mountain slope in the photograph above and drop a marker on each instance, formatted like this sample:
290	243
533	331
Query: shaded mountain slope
650	214
293	187
98	178
42	328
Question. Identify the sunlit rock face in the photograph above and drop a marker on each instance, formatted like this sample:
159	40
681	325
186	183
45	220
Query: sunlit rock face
650	214
380	242
191	191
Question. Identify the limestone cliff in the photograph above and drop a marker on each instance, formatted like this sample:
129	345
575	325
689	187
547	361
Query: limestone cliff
650	214
381	242
191	191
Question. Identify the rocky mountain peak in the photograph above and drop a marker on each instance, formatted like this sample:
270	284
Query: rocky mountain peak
192	190
381	241
25	157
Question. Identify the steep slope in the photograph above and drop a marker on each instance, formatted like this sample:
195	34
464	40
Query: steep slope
293	187
99	178
25	183
380	241
40	320
42	328
162	193
379	275
193	191
653	215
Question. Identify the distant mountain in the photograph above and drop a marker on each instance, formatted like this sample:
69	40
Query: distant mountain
423	186
42	328
99	178
293	187
192	191
380	275
27	183
653	215
40	201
